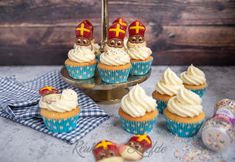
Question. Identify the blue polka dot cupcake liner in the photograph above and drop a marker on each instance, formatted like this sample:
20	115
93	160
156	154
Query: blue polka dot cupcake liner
140	68
114	76
135	127
161	105
81	72
61	125
199	92
183	129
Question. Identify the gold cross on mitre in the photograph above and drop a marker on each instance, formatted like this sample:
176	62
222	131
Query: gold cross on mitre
143	137
118	30
122	23
137	27
104	144
82	29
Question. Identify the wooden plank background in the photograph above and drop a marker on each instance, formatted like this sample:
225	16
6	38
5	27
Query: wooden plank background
34	32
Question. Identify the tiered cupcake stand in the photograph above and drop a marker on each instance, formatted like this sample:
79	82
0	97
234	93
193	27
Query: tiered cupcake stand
98	90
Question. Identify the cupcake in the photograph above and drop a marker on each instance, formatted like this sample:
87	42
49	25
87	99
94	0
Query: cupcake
81	62
194	79
114	65
184	113
59	111
141	58
138	113
166	87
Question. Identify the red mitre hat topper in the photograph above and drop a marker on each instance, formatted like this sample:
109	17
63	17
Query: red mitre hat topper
105	145
48	90
116	31
90	24
144	140
121	21
84	29
137	28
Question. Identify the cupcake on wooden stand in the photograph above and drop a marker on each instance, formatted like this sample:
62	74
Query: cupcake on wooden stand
114	65
81	62
141	58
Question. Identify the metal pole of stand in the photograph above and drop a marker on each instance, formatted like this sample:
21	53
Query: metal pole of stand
104	23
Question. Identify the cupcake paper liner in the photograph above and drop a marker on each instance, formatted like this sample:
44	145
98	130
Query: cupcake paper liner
199	92
183	129
81	72
135	127
140	68
61	125
114	76
161	105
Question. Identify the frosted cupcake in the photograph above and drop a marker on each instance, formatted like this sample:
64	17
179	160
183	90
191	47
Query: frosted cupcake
81	62
138	113
166	88
141	58
60	111
194	79
114	65
184	113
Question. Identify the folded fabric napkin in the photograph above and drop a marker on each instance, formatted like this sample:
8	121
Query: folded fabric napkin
19	102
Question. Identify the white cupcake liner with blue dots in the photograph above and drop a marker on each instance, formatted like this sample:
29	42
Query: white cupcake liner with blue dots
61	125
183	129
81	72
161	105
114	76
140	68
199	92
135	127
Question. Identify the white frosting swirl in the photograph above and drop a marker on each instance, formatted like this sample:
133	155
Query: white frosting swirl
169	83
115	56
66	101
136	103
81	54
185	103
139	53
193	76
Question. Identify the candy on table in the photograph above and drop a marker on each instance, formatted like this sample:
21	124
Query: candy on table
135	147
107	151
218	132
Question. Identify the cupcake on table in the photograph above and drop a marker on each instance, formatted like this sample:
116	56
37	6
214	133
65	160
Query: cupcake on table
81	62
60	111
141	58
194	79
138	113
166	88
114	65
184	113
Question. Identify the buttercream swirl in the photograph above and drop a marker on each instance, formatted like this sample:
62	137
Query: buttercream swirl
81	54
66	101
169	84
136	103
139	53
193	76
185	103
114	56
